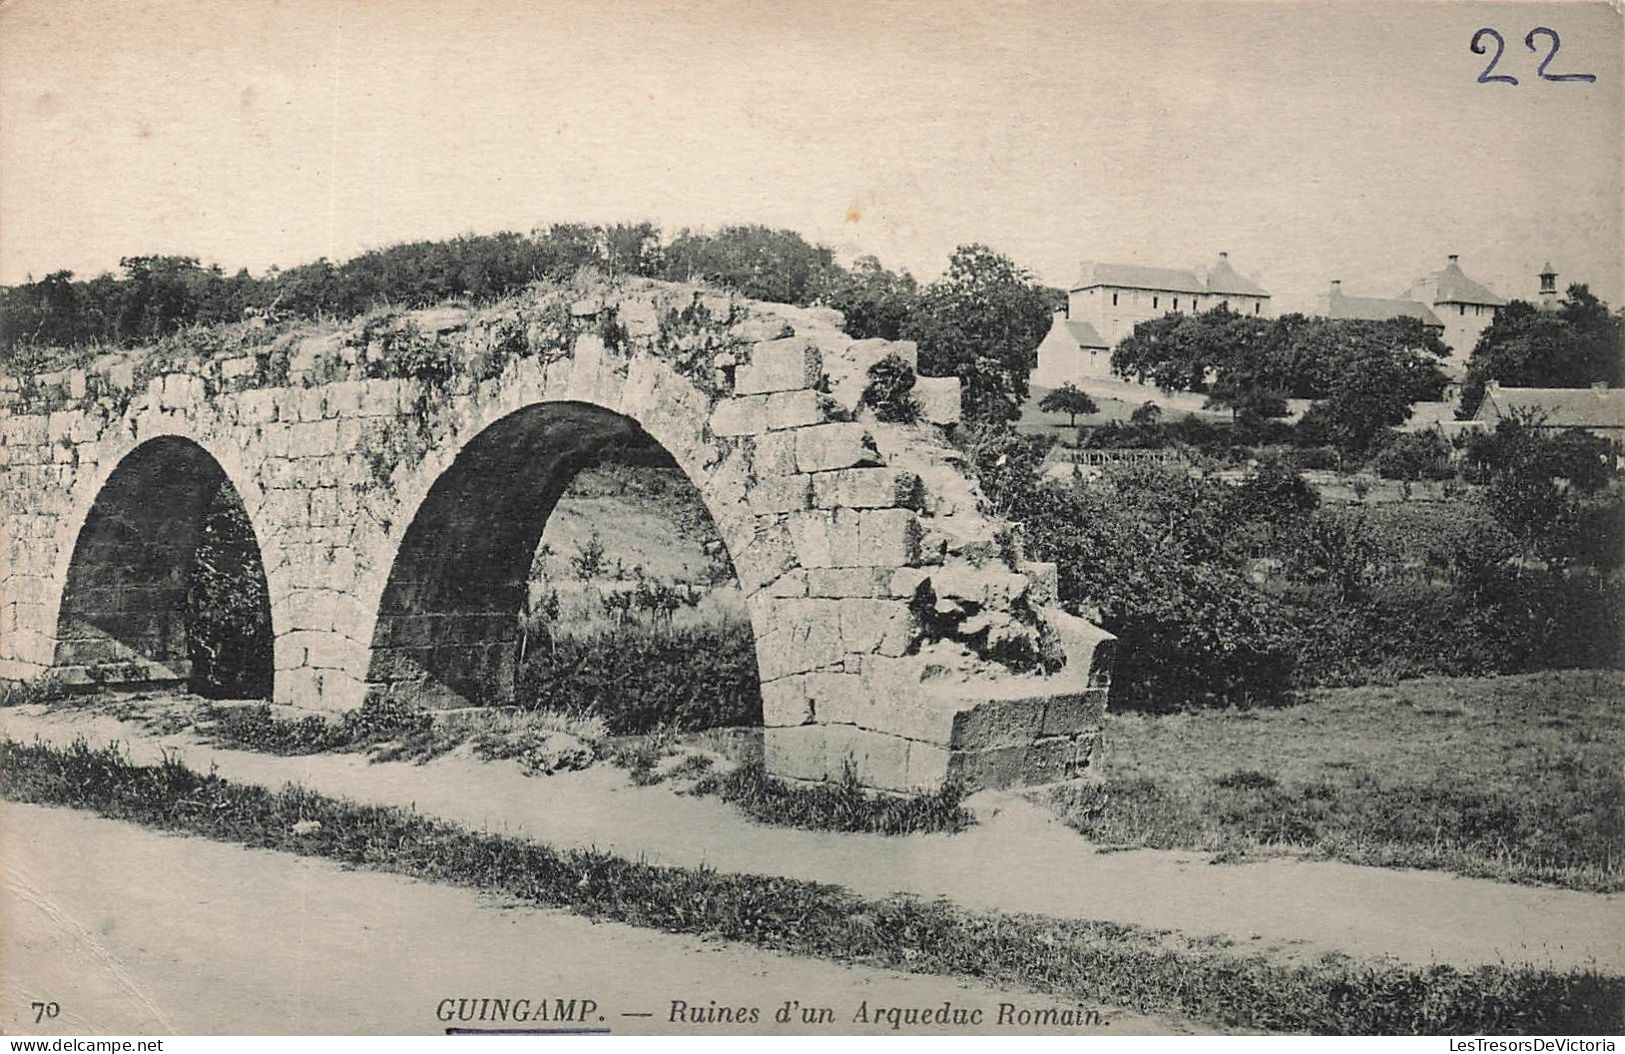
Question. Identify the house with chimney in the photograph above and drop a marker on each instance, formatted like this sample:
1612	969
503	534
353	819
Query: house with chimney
1109	298
1464	305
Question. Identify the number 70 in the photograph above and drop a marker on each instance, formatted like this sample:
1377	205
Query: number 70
1478	47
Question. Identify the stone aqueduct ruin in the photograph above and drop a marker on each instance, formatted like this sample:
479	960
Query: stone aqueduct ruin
398	471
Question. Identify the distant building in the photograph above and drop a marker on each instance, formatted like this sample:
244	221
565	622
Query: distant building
1598	409
1072	352
1463	305
1548	288
1339	304
1110	298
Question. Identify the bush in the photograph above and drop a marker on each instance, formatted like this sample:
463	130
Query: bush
890	392
639	678
1143	555
228	606
1415	456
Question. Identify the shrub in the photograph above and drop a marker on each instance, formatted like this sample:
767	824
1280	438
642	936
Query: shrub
1415	456
1143	555
228	607
639	677
890	392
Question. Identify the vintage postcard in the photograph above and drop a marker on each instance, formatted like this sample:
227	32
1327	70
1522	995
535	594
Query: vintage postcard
739	517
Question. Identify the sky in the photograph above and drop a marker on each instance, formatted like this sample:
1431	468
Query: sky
1311	141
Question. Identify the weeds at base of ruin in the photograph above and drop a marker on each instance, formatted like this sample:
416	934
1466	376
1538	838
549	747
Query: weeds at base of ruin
840	806
1146	970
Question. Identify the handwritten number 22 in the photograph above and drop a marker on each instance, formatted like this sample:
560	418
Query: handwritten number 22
1478	47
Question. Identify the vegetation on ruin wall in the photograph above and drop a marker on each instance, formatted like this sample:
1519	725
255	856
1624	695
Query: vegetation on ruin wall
980	321
1123	965
1226	594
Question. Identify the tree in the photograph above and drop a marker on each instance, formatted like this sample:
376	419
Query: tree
1147	413
1369	374
1578	344
760	262
1070	400
876	302
1191	352
982	322
633	248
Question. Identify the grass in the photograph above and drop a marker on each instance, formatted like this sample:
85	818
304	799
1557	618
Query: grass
1151	971
44	690
1512	778
842	806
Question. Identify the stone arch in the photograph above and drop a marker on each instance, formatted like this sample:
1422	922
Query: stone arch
121	609
445	632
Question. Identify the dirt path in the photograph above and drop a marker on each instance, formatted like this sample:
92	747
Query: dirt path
1018	859
134	932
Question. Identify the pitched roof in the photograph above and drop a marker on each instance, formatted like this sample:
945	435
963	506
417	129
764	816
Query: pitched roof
1085	334
1134	276
1379	309
1222	280
1557	407
1452	286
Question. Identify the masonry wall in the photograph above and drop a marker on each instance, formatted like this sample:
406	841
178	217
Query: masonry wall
398	472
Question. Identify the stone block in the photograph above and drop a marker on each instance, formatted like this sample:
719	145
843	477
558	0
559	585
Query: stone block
774	494
782	365
845	582
773	454
823	448
999	723
882	626
796	752
938	399
785	702
769	554
806	637
816	537
886	538
866	488
741	416
1074	712
838	698
877	759
796	409
790	584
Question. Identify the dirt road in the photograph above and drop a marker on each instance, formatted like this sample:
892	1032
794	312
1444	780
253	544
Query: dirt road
1283	906
131	931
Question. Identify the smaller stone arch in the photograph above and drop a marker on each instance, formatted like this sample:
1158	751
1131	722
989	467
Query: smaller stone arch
121	613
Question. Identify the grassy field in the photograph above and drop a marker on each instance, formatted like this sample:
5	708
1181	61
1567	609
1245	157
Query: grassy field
1125	965
1515	778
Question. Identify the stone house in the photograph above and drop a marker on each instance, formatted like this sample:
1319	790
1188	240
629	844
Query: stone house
1463	305
1110	298
1598	409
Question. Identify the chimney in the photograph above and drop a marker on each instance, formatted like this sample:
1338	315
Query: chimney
1224	256
1454	259
1337	287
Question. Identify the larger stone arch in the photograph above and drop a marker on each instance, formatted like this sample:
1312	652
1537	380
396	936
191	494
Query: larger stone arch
128	548
445	631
